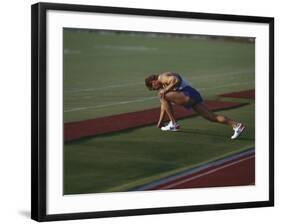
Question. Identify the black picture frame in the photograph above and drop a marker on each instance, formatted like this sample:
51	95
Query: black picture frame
39	123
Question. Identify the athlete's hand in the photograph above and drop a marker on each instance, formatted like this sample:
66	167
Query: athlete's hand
159	125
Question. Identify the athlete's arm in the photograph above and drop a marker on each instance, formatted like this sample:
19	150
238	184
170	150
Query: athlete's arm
162	113
169	81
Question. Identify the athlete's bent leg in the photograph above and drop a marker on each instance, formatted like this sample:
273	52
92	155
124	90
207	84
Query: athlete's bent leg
166	117
177	98
167	107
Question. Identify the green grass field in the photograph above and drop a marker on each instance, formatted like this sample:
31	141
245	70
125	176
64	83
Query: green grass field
104	75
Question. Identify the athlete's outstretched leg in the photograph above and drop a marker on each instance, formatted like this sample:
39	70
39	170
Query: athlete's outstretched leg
202	110
238	127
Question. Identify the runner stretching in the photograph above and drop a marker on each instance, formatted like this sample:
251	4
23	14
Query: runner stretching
173	89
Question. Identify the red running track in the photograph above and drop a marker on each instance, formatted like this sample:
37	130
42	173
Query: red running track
88	128
236	172
247	94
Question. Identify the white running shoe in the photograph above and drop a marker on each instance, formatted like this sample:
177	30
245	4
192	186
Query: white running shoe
238	129
170	127
176	125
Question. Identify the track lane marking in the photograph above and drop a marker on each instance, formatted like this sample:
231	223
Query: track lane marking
204	174
197	169
112	104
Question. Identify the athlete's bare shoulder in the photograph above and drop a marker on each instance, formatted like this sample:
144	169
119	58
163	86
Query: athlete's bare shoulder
165	75
168	73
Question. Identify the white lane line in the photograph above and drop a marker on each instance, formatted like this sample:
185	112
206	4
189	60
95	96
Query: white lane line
142	83
105	87
197	169
227	85
222	74
146	99
76	109
204	174
112	104
127	47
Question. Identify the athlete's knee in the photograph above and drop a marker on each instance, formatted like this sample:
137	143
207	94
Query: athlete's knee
221	118
217	118
168	96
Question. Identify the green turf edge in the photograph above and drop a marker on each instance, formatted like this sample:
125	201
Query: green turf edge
138	183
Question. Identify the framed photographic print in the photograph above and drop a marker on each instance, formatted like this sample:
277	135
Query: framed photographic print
140	111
